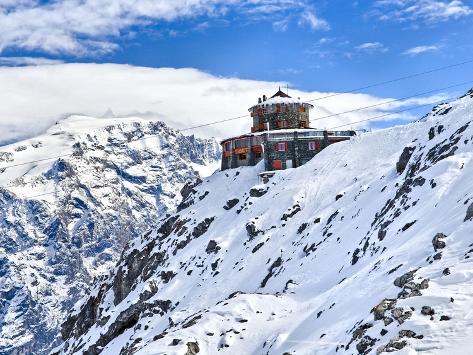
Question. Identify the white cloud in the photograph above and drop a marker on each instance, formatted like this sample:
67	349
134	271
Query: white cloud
81	27
421	49
35	97
315	23
21	61
430	11
372	47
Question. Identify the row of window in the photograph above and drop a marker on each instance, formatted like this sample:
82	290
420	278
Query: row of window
242	143
282	146
279	147
279	108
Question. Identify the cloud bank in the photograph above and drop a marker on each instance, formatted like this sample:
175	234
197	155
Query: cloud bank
85	27
35	97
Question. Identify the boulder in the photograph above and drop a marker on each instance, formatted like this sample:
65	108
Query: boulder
438	242
192	348
427	311
212	247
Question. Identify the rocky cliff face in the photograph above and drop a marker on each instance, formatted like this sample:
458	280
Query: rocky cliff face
366	249
65	221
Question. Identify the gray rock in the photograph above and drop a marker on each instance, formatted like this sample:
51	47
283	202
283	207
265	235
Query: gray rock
427	311
404	159
380	309
438	242
231	203
469	213
212	247
192	348
255	192
403	279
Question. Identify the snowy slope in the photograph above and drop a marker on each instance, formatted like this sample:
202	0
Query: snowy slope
365	249
65	221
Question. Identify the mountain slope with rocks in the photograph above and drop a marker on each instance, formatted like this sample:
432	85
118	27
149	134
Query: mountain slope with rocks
65	221
366	249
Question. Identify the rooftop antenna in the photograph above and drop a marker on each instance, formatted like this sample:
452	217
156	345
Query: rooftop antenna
287	89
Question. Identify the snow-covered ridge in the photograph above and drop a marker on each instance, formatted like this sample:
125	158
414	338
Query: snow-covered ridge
65	220
365	249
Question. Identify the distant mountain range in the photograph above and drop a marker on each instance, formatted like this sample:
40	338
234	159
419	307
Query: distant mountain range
65	221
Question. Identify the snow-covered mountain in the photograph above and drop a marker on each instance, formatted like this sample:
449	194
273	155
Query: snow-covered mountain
365	249
65	221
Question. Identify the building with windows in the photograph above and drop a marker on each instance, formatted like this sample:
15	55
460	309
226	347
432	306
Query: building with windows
281	135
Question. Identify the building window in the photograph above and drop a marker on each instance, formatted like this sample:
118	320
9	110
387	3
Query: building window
241	143
282	124
303	124
277	164
312	146
258	155
241	156
281	147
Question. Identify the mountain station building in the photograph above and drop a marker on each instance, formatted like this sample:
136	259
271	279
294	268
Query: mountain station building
281	135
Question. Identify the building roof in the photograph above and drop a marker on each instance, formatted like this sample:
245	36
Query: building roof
280	98
280	94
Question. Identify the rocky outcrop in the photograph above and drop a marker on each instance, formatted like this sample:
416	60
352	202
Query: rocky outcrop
404	159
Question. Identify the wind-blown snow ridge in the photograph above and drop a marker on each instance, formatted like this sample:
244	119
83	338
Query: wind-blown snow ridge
365	249
121	176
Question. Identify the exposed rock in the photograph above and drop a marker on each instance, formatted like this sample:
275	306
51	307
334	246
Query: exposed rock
252	230
167	276
446	271
302	228
427	311
431	133
404	159
380	309
291	213
406	333
403	279
438	242
442	318
192	348
188	188
277	263
400	315
365	345
202	227
212	247
408	225
258	192
256	248
469	213
355	257
231	203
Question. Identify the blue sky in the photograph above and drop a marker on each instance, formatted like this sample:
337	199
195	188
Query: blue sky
323	46
315	45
